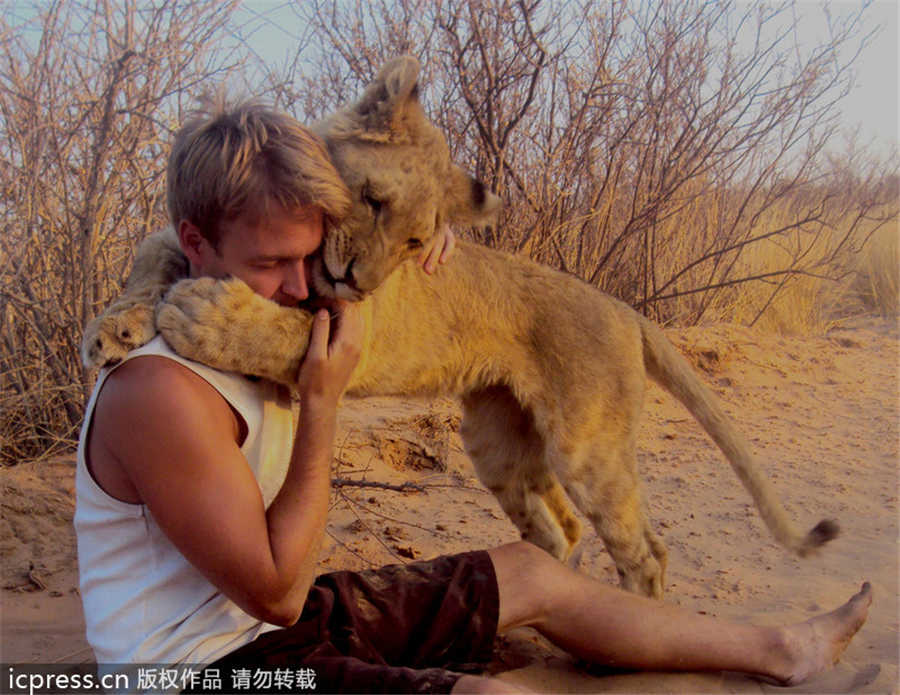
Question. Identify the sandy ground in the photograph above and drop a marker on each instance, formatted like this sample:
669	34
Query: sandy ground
821	412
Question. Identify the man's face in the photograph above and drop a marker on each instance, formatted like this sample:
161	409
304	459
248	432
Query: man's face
271	256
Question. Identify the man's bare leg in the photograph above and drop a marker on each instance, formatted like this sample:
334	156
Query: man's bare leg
606	625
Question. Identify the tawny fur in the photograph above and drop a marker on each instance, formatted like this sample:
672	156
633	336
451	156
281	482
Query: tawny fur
551	372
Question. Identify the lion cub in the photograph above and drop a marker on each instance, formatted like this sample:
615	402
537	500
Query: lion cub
551	371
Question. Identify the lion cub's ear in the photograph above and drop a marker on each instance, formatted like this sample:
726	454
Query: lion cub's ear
392	98
467	201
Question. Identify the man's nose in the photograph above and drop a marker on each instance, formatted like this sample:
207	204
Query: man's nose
294	281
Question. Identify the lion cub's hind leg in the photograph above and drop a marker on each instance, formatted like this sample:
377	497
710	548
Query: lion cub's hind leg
606	488
509	457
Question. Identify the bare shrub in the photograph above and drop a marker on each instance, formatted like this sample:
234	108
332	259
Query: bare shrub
640	146
90	94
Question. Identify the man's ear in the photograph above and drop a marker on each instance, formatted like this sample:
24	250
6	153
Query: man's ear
193	244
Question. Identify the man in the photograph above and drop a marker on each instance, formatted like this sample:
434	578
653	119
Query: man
201	509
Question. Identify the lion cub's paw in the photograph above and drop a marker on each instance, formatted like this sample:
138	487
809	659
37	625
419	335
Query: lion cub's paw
210	321
111	335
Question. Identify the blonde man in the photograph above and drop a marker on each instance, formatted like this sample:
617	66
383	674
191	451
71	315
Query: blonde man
201	509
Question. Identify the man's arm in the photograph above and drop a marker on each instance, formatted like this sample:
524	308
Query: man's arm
177	442
323	376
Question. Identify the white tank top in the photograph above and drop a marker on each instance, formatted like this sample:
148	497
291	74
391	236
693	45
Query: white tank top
143	601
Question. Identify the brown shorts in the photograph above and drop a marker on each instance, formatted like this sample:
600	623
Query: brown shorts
399	629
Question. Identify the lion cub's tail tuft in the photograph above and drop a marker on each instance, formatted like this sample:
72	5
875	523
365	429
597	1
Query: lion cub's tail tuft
671	370
821	533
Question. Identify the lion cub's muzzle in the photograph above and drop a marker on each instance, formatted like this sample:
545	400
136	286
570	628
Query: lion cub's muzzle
345	287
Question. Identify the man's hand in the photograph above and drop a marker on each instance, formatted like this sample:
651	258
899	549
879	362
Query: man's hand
437	249
331	356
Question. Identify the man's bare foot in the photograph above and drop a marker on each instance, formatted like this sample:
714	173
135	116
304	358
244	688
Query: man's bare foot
817	644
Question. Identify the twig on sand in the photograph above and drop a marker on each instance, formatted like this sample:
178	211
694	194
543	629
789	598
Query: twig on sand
403	487
35	578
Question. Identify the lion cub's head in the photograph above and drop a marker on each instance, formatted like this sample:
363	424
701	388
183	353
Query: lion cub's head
402	183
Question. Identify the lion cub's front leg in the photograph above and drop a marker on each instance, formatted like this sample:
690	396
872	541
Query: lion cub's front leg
125	325
128	322
226	325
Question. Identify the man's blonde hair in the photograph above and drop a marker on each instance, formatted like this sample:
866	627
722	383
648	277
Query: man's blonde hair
231	161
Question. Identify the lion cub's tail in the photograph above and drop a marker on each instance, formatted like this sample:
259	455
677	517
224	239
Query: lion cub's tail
668	367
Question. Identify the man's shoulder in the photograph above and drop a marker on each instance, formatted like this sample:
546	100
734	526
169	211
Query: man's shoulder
152	375
149	385
154	417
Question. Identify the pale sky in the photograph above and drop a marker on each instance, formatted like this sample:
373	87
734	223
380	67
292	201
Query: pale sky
874	101
872	105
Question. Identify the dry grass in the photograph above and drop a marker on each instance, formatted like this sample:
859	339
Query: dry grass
851	282
840	273
877	273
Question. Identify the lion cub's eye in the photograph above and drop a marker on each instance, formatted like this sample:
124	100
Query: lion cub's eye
373	203
414	243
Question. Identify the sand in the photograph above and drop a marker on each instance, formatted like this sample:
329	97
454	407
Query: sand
822	414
